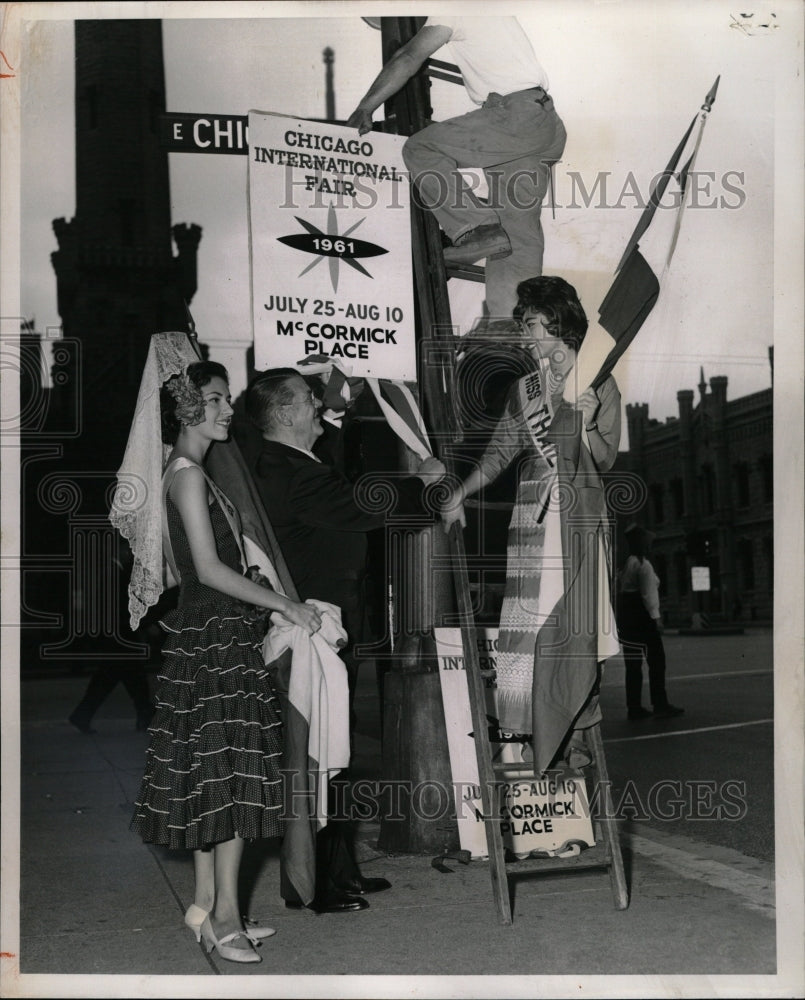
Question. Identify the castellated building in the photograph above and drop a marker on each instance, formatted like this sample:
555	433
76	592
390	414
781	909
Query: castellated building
118	282
708	498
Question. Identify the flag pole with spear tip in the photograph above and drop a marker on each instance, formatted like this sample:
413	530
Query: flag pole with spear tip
635	290
687	170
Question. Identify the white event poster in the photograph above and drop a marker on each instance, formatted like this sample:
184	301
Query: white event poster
545	815
330	248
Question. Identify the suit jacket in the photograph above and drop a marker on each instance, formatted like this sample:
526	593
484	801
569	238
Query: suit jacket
320	526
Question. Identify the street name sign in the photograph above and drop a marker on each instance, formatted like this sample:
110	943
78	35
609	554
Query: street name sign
183	132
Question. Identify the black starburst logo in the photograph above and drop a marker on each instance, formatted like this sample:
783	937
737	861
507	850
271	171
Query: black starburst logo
332	245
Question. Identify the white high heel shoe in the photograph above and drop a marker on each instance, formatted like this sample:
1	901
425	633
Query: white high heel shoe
255	932
224	949
195	917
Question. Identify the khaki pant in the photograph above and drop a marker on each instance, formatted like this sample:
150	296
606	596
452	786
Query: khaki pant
515	139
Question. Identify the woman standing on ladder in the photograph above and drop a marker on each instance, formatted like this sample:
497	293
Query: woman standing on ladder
557	624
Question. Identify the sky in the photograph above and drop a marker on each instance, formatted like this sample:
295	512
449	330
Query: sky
626	77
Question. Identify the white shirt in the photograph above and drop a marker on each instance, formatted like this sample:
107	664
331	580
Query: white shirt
638	576
304	451
493	54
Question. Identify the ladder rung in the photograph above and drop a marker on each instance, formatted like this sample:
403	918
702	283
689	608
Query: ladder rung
591	857
431	270
469	272
524	766
441	64
444	71
438	75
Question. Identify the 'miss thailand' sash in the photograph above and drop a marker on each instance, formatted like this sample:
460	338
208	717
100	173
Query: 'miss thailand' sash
537	411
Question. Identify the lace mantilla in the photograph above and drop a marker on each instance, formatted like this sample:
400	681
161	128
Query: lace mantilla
136	508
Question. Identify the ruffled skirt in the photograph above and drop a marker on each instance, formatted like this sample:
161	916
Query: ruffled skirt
212	766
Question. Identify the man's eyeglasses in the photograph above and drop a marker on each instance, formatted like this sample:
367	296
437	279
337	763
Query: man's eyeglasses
309	398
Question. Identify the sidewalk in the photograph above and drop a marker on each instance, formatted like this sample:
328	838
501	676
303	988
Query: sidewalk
95	902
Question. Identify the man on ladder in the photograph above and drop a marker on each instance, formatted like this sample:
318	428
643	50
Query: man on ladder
514	135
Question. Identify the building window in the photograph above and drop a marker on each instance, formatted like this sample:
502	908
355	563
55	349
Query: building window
767	476
657	503
677	489
681	573
708	489
741	473
747	563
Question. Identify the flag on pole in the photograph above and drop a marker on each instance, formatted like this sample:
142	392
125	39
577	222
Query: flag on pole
400	409
636	287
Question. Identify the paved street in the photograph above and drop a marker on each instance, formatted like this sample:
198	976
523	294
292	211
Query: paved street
96	903
721	749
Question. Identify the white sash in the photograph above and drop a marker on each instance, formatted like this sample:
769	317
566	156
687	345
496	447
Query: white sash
538	412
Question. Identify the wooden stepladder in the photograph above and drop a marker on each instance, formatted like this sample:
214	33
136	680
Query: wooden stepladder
606	853
408	112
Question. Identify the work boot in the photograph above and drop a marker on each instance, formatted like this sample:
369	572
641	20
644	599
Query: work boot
484	241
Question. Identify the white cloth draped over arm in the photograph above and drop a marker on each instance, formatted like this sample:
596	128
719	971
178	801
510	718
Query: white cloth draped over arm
318	690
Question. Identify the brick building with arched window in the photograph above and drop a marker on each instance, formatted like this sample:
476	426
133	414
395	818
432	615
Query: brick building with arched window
708	479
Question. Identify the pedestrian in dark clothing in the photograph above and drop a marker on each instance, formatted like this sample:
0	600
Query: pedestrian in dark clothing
130	673
640	630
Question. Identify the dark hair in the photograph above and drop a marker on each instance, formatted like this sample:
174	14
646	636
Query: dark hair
200	373
637	541
558	302
266	392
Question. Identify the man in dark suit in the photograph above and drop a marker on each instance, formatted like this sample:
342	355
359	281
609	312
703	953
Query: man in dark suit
322	533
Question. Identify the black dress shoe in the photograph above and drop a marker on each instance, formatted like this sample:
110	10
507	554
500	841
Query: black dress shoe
340	903
361	886
639	713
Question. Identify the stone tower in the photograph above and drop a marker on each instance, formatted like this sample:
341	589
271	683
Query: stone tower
118	278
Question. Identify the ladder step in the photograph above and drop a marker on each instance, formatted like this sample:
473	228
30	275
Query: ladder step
434	306
444	71
525	767
450	67
591	857
469	272
438	75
